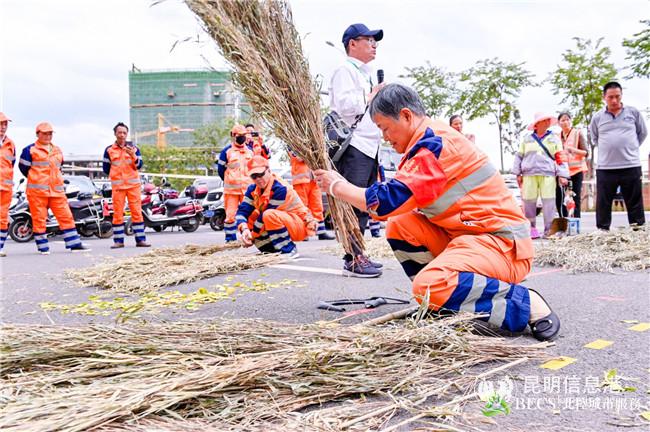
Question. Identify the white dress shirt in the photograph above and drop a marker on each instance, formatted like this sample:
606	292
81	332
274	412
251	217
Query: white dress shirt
348	90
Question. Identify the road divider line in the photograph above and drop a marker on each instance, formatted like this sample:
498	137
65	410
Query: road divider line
307	269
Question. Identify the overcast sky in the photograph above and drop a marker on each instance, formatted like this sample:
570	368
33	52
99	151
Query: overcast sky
67	61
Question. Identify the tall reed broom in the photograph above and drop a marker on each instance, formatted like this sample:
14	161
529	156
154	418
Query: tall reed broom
260	41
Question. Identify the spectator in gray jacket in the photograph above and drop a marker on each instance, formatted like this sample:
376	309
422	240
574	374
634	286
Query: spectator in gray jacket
618	131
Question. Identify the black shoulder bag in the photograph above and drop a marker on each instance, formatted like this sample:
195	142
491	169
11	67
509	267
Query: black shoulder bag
338	134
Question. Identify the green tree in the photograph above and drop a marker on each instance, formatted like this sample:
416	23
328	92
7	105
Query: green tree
638	52
580	79
436	87
491	89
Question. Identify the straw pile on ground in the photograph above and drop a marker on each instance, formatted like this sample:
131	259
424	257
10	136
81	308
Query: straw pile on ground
626	249
242	375
165	267
259	40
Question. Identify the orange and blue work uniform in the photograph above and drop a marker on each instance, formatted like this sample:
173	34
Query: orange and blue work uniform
41	164
231	167
122	169
257	146
276	216
455	228
7	162
302	181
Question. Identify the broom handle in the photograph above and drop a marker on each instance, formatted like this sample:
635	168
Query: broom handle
391	316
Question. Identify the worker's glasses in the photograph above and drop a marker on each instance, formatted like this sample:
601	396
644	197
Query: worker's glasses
256	176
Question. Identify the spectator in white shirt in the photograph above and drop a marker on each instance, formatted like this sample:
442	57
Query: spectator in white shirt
351	90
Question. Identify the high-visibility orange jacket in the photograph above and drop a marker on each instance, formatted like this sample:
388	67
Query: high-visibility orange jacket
258	147
121	168
446	178
7	162
577	162
300	172
41	164
232	168
277	195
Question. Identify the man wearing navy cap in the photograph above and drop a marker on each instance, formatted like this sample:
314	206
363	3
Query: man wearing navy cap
352	87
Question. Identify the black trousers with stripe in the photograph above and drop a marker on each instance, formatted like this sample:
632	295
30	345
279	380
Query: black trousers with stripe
361	171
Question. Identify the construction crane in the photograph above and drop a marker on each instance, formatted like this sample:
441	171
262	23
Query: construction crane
164	126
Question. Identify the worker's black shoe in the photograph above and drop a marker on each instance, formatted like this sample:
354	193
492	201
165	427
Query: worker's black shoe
142	244
326	236
546	328
375	234
80	248
360	267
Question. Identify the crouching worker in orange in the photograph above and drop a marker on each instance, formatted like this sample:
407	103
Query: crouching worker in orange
272	216
121	163
302	181
7	162
231	167
452	224
41	164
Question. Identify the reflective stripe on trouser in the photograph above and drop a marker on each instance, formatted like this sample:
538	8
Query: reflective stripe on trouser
263	242
120	196
5	203
312	197
38	206
71	238
41	241
138	231
283	229
374	226
3	238
231	203
321	228
118	233
437	265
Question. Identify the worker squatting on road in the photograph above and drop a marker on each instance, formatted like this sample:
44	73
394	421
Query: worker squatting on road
302	181
454	227
121	163
41	163
7	162
232	168
272	216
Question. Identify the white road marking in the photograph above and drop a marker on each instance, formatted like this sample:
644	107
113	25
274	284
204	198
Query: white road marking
307	269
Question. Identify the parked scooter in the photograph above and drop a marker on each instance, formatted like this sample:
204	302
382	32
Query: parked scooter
160	213
88	214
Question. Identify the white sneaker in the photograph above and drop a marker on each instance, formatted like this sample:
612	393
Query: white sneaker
44	252
3	253
293	254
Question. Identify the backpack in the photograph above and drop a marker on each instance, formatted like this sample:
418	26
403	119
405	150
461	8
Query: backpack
338	134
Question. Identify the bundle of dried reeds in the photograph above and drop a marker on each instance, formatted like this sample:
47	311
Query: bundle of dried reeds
169	266
233	374
260	41
627	249
375	247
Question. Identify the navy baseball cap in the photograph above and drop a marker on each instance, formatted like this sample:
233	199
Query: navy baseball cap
356	30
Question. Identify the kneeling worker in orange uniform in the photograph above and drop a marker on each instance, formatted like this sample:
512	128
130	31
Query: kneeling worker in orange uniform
452	224
231	167
121	163
7	162
41	163
272	216
302	181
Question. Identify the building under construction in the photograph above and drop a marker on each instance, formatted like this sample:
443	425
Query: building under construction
166	106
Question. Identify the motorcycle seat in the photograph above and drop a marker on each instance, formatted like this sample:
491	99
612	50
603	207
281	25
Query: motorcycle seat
80	204
177	202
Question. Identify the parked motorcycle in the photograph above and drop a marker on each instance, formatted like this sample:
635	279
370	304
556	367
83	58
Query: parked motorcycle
88	213
160	213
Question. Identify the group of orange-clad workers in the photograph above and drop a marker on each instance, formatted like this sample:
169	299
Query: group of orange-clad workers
41	163
234	167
